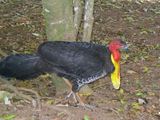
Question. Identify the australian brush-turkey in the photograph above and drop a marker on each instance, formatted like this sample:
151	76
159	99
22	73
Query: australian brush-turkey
79	63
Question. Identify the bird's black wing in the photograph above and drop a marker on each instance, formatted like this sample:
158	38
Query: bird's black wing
75	59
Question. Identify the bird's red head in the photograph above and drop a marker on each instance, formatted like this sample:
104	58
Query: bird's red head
115	46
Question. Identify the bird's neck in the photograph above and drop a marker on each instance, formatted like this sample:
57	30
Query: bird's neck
116	55
115	75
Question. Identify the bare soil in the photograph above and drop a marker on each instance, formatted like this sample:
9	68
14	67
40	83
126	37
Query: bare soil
137	22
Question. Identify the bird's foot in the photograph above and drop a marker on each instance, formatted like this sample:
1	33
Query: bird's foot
71	94
78	102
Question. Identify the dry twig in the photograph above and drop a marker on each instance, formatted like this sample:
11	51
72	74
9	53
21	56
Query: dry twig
9	86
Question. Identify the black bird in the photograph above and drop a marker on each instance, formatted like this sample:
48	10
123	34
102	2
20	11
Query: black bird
79	63
19	66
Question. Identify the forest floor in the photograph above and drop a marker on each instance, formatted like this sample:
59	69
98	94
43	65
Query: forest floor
137	22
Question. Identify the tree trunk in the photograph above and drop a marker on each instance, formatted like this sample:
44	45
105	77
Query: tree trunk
59	26
59	19
78	9
88	20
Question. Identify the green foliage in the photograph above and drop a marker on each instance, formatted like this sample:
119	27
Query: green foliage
7	117
135	105
86	117
140	94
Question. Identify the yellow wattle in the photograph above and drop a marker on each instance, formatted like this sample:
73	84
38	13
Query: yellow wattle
115	75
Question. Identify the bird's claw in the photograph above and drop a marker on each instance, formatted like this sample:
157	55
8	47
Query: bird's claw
71	94
79	102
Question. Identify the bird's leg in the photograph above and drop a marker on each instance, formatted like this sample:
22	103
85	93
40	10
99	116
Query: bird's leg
74	96
79	99
71	93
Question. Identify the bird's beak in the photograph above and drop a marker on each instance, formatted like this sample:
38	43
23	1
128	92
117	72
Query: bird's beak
115	76
125	47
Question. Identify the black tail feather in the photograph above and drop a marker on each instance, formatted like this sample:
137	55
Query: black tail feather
21	66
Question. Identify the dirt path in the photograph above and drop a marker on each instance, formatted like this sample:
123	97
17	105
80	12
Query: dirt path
22	30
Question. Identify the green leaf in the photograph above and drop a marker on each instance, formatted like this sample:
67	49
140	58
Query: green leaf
122	101
140	94
7	117
86	117
50	102
121	91
145	69
135	105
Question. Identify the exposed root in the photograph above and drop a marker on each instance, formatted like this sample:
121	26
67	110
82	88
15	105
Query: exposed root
33	92
17	92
